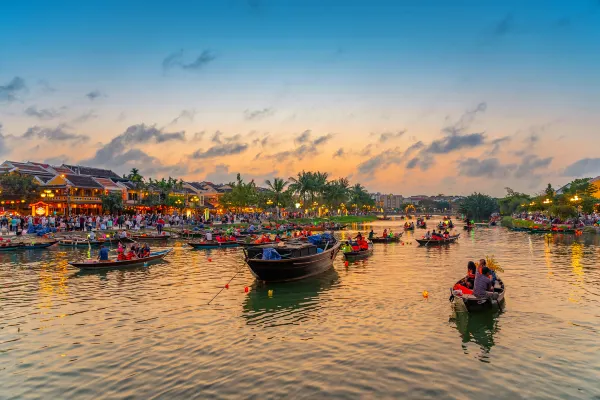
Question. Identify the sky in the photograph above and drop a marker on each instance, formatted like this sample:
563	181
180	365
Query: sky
406	97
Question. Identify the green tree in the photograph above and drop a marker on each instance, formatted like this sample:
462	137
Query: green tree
335	193
550	192
302	185
242	194
19	187
443	205
277	188
478	206
360	197
112	202
512	201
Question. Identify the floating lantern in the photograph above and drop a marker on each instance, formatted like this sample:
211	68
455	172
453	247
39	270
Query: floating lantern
209	259
270	293
246	289
145	264
345	263
227	286
425	294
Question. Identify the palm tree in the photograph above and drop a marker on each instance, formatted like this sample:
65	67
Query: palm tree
277	187
319	183
301	185
335	193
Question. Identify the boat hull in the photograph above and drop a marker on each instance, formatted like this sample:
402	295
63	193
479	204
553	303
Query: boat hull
102	265
359	255
295	268
27	246
430	242
213	245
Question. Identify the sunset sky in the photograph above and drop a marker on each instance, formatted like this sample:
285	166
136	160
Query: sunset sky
409	97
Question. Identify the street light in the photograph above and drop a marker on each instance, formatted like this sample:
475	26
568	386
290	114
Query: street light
575	198
547	201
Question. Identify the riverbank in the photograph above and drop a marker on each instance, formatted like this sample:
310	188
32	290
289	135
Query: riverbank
510	222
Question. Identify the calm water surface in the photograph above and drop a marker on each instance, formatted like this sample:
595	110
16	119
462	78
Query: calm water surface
362	331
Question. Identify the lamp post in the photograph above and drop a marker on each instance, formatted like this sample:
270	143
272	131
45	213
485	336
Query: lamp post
576	200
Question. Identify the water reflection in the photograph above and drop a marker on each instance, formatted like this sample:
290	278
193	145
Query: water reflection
478	328
577	287
287	302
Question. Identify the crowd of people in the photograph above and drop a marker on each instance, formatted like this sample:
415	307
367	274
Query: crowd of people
541	218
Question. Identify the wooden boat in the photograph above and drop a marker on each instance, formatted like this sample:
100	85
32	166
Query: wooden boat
409	228
26	246
145	237
437	242
384	218
422	226
517	229
359	255
86	242
99	265
474	304
212	244
468	227
394	239
298	260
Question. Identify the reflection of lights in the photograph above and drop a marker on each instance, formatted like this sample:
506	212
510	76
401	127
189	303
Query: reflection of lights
576	255
547	257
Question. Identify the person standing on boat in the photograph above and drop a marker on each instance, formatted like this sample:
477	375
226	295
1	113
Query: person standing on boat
92	236
159	225
103	254
371	234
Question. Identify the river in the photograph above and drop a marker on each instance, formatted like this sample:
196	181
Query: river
361	331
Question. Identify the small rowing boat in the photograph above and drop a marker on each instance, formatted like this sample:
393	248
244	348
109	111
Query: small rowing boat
359	255
145	237
86	242
26	246
212	244
474	304
437	242
394	239
110	264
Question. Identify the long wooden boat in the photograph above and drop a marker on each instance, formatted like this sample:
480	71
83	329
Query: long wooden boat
26	246
409	228
212	244
475	304
359	255
144	237
384	218
86	243
437	242
298	260
517	229
422	226
99	265
394	239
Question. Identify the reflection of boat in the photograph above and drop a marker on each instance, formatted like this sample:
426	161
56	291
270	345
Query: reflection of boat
212	244
394	239
285	296
475	304
297	260
359	255
25	246
478	328
437	242
96	265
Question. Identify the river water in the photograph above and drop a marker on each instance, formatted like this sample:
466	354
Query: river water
361	331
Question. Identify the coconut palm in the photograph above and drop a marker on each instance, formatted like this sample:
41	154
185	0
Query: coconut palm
277	187
301	185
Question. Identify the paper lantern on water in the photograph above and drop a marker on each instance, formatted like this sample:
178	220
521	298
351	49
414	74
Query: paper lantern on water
270	293
227	286
346	263
246	289
425	294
